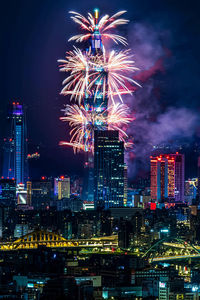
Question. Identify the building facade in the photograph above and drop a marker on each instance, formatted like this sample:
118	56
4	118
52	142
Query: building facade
7	192
167	177
62	187
15	161
108	169
41	193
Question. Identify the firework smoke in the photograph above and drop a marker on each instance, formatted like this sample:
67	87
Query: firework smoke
156	125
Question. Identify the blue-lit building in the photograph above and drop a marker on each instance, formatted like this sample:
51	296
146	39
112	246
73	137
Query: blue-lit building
14	159
7	192
108	169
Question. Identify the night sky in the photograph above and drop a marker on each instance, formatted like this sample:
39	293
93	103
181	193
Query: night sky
165	39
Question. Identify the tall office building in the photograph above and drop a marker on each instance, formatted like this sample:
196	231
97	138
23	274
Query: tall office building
167	177
97	103
41	193
88	183
7	192
22	226
125	184
108	169
62	187
21	194
191	186
14	165
29	192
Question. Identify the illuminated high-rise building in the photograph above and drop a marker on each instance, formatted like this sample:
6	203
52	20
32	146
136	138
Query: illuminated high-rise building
167	177
95	80
125	184
191	186
7	192
29	192
41	193
88	184
108	169
21	194
97	103
14	165
62	187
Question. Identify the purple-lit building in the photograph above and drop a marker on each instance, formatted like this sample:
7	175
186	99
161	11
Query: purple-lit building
15	145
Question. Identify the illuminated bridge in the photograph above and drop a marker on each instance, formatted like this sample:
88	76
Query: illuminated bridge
176	249
174	257
48	239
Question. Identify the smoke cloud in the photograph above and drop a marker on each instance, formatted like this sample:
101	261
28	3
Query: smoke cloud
157	121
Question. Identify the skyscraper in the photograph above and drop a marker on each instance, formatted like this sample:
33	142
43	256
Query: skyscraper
15	145
96	80
21	194
88	184
191	186
125	184
96	103
108	169
41	193
7	192
167	177
29	192
62	187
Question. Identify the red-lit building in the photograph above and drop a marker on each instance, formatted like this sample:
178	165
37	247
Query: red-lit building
167	177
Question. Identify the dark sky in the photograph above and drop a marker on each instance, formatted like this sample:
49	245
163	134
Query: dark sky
165	37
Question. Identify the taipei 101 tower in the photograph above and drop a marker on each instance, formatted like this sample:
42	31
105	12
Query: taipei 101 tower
96	103
96	82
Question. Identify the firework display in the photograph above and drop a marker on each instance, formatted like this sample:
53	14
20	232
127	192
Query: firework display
97	80
84	122
93	25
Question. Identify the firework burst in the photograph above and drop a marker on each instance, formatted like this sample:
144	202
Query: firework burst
84	123
76	64
97	80
116	69
86	70
92	25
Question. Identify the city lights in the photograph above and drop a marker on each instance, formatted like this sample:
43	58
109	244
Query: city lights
100	151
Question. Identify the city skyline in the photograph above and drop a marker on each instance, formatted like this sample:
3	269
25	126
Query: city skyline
157	71
100	163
